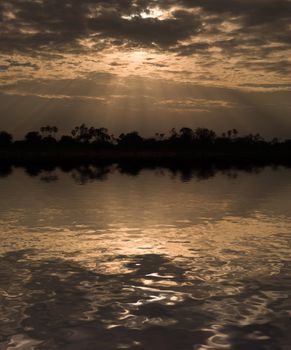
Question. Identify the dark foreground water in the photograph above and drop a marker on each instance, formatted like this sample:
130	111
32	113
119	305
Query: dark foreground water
105	259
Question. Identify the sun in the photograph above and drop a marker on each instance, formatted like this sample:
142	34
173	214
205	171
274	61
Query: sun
138	56
154	13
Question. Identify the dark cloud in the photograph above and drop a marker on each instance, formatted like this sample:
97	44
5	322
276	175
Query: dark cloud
16	64
248	39
268	86
282	67
147	31
27	25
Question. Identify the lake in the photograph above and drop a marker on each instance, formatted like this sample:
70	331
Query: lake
118	258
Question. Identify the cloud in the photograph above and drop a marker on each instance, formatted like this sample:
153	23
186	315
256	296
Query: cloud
62	25
209	30
16	64
64	53
194	104
71	102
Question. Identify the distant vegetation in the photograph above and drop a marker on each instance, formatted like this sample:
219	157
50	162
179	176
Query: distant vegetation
184	142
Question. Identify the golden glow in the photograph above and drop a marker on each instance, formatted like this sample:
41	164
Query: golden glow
154	13
150	13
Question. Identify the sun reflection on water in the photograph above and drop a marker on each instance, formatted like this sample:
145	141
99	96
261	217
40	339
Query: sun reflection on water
213	277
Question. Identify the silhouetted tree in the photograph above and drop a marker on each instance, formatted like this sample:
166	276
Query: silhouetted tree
33	137
49	140
186	134
229	133
186	140
5	138
100	135
258	138
67	140
160	137
82	133
130	139
173	134
49	130
274	141
205	135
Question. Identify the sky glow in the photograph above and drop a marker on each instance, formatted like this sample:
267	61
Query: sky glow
146	65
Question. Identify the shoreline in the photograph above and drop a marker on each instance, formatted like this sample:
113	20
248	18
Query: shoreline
140	156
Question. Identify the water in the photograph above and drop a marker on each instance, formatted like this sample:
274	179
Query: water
152	259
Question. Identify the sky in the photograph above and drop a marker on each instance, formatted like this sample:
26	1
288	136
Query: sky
146	65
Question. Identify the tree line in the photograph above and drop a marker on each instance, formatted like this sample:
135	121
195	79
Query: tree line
184	139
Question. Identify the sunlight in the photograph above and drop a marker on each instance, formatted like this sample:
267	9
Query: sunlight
145	174
137	56
155	12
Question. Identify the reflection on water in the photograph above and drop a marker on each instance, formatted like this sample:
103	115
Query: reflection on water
107	258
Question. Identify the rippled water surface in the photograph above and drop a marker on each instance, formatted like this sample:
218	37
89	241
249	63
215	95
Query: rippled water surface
108	259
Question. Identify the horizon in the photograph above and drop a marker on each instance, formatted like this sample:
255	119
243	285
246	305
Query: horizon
57	134
145	174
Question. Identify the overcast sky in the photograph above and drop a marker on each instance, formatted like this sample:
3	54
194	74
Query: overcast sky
146	65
